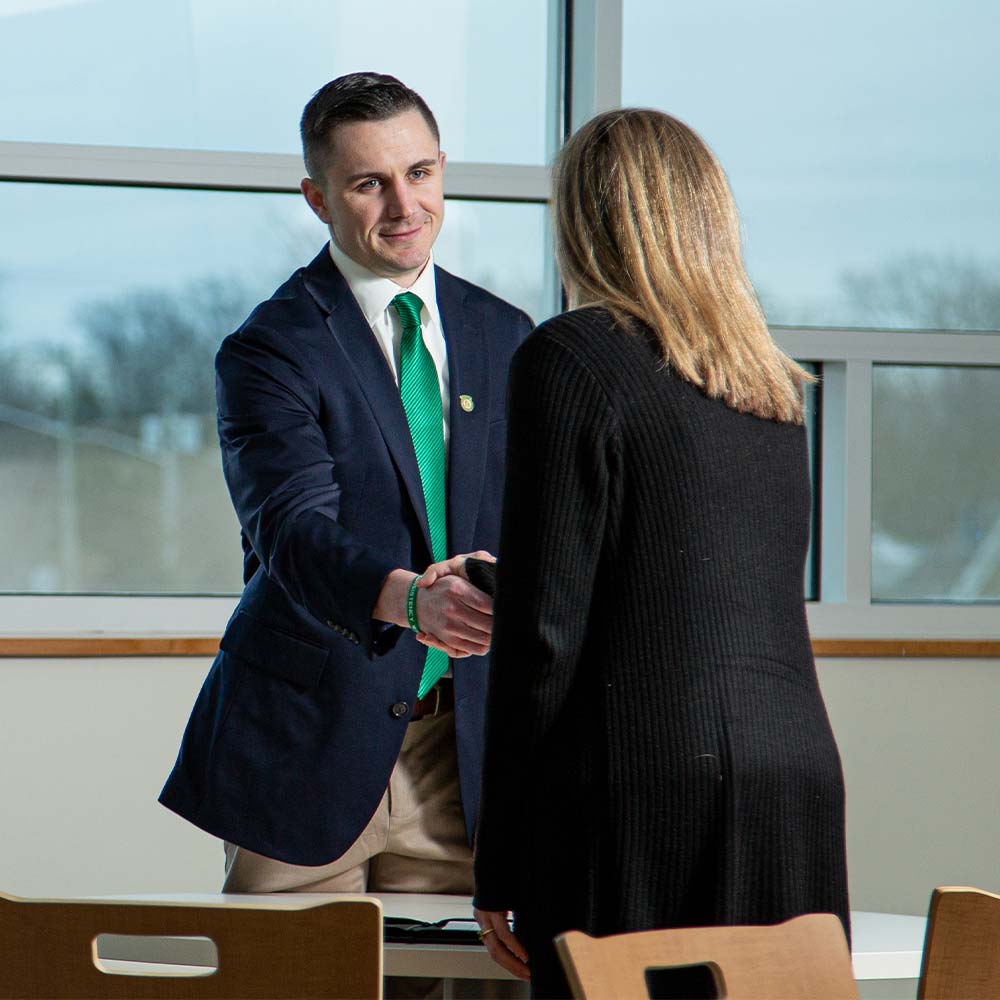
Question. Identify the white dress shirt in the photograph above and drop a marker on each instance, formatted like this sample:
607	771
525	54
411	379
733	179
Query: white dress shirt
375	294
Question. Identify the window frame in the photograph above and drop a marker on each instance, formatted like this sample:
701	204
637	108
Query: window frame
147	615
845	608
150	614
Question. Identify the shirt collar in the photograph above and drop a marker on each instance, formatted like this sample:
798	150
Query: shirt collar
375	293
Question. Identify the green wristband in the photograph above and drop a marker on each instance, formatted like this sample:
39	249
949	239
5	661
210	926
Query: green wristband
411	604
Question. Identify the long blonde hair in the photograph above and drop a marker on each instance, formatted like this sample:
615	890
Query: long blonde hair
647	227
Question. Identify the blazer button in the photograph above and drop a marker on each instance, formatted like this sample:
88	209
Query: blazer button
330	624
399	709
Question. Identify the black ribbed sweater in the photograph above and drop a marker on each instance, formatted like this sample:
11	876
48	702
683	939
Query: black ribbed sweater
658	753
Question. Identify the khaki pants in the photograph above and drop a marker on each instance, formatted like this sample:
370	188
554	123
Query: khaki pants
415	842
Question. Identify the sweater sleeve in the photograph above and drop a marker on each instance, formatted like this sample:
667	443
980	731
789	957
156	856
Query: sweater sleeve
561	441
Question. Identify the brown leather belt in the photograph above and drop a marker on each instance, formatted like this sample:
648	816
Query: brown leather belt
437	701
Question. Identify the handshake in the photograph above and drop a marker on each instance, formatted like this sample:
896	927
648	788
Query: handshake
454	603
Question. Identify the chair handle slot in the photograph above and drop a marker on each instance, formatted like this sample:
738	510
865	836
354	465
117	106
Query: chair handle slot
155	955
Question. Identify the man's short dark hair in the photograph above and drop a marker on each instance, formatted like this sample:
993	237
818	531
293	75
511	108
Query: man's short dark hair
356	97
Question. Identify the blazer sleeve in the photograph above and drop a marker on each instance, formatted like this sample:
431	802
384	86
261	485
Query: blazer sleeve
285	489
562	442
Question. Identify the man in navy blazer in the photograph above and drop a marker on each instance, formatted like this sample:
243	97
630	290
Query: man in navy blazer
308	750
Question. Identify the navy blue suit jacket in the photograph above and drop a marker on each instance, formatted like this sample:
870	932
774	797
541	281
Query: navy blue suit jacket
291	741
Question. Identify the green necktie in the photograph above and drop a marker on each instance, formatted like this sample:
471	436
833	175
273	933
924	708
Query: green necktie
421	392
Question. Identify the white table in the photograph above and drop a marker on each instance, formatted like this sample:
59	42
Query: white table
885	945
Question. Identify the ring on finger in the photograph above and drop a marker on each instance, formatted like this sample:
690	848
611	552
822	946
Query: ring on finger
482	934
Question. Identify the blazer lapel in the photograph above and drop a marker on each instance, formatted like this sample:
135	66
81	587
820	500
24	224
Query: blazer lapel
469	380
351	330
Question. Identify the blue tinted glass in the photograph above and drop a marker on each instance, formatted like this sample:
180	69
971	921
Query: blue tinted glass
861	141
113	301
935	483
231	75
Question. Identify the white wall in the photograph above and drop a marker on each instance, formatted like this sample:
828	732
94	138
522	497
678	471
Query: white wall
920	741
86	745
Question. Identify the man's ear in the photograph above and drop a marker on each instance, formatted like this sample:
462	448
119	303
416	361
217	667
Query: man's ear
314	195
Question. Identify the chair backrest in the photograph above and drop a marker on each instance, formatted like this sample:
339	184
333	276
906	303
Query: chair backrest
49	948
962	947
803	957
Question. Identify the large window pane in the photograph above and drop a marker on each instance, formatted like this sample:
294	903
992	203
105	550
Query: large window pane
226	74
861	141
936	483
505	247
112	304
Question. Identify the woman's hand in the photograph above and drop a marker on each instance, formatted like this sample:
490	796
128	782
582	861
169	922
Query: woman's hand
455	566
500	942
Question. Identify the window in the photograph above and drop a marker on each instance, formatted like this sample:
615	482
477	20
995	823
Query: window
893	425
116	301
149	176
856	139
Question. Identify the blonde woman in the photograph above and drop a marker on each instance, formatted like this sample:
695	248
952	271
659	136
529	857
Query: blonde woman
658	753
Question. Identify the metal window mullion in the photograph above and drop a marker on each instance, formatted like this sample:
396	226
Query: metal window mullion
891	346
113	614
858	483
845	531
833	500
596	64
223	171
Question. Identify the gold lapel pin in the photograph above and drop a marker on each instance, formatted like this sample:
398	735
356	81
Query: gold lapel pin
467	403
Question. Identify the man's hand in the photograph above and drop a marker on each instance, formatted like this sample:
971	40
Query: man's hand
500	942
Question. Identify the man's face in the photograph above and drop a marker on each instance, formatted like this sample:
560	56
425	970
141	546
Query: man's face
382	195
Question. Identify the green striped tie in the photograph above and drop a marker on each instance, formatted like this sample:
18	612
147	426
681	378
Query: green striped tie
421	392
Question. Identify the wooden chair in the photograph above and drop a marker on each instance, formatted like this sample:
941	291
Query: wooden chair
803	957
49	948
962	946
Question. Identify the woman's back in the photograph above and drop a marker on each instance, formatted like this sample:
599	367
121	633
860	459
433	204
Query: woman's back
714	503
651	605
707	520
